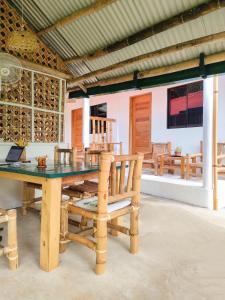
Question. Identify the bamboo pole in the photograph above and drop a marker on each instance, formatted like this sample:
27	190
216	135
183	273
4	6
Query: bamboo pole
117	227
12	240
150	55
81	240
63	226
26	64
83	12
192	63
101	233
215	142
180	19
135	206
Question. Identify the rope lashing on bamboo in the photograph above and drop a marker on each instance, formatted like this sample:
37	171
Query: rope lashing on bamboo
7	250
4	219
104	218
64	241
100	251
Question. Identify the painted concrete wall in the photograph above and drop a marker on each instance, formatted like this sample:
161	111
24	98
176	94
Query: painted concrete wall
11	190
118	108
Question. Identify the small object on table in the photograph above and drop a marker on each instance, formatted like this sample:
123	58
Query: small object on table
178	151
42	161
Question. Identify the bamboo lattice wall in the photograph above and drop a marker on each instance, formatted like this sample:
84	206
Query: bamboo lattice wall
32	108
11	21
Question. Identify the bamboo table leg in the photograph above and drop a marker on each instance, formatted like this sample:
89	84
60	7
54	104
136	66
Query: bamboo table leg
50	224
182	167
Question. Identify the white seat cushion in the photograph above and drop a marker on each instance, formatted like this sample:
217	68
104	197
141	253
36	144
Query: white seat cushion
92	203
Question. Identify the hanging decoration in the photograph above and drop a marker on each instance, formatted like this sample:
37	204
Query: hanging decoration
22	40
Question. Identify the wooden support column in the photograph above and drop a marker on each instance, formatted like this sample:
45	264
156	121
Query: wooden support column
50	224
207	139
86	123
215	142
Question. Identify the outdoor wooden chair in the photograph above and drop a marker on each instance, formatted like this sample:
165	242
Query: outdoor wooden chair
88	188
123	197
152	159
11	252
195	161
82	190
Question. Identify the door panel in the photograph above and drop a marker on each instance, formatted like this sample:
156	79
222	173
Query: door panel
77	128
140	123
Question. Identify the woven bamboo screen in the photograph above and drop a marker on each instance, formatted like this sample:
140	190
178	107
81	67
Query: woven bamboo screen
32	109
11	21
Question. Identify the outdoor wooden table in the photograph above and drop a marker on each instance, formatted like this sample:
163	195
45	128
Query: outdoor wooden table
172	166
52	178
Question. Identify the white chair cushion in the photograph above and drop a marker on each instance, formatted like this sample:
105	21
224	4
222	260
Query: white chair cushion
92	203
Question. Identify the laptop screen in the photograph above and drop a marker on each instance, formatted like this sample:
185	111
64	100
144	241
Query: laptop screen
14	154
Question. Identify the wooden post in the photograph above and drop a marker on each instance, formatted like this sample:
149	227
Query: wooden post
135	206
215	142
50	224
93	131
121	148
98	123
12	240
101	234
110	132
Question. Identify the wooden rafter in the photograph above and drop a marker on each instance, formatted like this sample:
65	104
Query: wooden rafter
43	69
96	6
179	19
192	63
151	55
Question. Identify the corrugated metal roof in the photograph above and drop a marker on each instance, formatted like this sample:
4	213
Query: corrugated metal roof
117	21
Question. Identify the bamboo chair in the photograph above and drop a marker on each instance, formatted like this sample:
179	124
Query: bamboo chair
88	188
195	161
152	159
10	251
107	207
60	156
110	147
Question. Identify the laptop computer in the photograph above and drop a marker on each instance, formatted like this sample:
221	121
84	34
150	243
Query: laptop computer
13	155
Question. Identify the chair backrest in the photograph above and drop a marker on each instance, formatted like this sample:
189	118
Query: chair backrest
113	171
220	148
161	148
66	156
93	156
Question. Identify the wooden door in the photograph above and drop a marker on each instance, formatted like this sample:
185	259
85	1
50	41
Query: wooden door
77	128
140	123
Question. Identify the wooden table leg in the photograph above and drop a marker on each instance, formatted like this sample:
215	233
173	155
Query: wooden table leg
182	167
50	224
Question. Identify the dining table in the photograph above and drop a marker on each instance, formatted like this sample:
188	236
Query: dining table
51	178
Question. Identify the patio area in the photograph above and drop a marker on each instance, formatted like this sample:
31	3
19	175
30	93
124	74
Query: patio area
181	257
112	150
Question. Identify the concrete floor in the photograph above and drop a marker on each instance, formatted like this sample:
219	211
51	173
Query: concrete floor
182	257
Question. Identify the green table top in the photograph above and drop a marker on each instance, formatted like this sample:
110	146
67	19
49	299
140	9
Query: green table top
52	170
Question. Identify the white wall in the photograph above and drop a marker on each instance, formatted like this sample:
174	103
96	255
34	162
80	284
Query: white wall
118	108
11	190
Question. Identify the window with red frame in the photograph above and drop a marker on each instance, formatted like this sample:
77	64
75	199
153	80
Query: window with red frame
185	106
